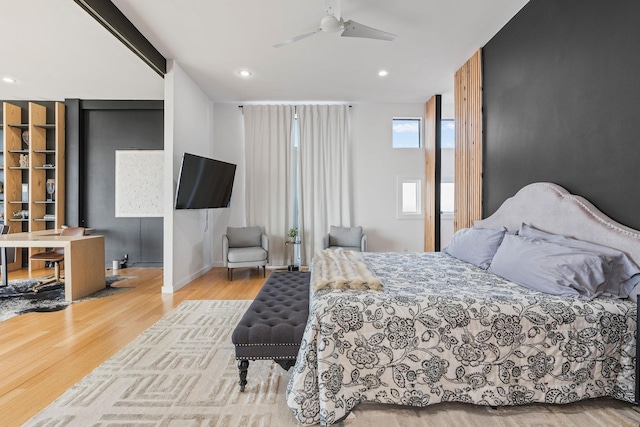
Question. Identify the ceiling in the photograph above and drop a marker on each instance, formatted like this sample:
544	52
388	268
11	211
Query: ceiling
56	50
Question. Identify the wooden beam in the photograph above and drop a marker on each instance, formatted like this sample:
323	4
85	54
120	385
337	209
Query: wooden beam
107	14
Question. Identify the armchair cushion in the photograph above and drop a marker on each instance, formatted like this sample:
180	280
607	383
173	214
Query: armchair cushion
244	237
345	236
247	254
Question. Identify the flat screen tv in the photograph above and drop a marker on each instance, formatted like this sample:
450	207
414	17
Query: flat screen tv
204	183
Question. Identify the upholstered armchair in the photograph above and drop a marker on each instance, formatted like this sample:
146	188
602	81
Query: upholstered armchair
348	238
245	247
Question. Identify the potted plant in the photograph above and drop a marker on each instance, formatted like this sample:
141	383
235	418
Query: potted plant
292	234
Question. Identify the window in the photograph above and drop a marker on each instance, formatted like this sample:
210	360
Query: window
407	133
409	198
447	165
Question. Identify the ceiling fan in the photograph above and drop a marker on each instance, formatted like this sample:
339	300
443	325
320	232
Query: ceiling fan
333	22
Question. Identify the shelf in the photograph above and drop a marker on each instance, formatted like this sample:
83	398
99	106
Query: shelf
45	152
26	125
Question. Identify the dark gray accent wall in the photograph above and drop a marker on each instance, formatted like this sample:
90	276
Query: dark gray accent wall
95	130
561	91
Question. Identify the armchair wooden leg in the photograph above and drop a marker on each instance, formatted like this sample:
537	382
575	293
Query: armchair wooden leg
230	274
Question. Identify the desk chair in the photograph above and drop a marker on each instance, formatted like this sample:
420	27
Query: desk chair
56	255
11	252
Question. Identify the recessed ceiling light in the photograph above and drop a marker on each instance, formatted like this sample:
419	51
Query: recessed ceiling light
244	73
7	79
383	73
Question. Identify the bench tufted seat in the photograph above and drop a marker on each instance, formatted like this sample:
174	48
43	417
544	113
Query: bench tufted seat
273	325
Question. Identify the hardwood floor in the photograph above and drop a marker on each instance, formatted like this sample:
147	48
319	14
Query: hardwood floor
43	354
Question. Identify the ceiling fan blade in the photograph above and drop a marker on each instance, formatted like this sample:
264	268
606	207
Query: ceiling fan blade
354	29
332	7
296	38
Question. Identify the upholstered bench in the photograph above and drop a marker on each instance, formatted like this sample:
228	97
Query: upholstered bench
273	325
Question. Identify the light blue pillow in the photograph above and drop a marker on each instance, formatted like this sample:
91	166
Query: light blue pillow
624	274
550	268
475	245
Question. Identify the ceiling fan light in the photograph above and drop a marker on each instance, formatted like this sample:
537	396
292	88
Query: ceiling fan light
331	24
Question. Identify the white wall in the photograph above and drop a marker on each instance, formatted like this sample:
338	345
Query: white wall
188	237
376	166
229	147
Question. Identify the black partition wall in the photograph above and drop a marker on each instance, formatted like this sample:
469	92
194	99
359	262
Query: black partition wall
560	101
95	129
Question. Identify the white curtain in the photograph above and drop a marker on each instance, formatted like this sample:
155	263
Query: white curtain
268	131
324	190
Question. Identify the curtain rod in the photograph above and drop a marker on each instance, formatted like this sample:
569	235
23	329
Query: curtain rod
242	106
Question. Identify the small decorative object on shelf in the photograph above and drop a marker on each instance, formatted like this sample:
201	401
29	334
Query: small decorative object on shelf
24	160
51	188
1	187
25	137
23	214
292	234
25	193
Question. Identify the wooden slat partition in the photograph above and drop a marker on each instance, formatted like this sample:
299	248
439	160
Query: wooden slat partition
468	150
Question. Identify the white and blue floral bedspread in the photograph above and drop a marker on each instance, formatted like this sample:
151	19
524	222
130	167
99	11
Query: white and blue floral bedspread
443	330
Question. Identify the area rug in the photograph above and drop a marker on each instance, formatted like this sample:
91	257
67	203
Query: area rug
182	372
17	298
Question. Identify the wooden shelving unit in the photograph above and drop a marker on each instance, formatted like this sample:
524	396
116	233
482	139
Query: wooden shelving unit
46	153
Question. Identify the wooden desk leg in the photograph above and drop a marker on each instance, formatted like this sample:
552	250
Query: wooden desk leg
84	267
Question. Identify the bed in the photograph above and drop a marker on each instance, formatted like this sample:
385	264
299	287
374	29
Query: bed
446	330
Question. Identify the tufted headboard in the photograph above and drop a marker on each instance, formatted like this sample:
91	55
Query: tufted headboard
549	207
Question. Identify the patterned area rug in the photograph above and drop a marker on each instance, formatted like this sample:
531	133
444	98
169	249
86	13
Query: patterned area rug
182	372
18	298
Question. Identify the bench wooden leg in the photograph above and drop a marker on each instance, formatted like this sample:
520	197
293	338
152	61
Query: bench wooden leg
243	367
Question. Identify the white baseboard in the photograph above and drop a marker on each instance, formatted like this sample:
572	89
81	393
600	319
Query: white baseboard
184	282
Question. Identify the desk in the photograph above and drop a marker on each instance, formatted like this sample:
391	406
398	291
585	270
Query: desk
84	268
